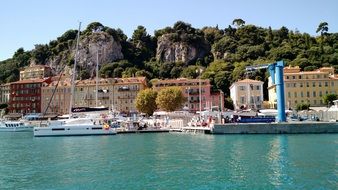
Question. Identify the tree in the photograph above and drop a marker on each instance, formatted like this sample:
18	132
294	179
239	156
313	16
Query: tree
41	53
328	99
238	22
170	99
323	28
302	106
146	101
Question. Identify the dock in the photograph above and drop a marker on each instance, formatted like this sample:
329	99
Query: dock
275	128
143	131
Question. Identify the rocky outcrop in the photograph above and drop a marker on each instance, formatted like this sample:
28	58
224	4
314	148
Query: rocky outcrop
169	51
89	46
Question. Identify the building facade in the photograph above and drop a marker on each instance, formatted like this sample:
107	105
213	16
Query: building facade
118	94
246	94
59	102
36	72
25	96
4	93
305	86
191	89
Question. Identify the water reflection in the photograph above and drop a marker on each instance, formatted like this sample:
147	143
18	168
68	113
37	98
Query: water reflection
278	161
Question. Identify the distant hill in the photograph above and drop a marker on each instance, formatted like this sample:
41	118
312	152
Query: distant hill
179	50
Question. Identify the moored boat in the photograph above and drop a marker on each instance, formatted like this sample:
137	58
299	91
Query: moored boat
74	127
14	126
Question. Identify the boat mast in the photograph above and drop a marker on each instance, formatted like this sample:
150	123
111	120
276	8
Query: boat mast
74	72
97	77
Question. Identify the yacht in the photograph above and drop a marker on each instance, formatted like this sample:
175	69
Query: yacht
74	127
14	126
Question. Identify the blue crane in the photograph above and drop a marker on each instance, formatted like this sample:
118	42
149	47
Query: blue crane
276	73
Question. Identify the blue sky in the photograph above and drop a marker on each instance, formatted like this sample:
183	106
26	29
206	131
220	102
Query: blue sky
25	23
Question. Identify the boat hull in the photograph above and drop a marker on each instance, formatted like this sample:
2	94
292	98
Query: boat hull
16	129
83	130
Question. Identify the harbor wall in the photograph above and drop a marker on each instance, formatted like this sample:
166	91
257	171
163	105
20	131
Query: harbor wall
275	128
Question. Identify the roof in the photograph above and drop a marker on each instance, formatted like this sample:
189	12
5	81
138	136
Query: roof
249	81
30	81
179	80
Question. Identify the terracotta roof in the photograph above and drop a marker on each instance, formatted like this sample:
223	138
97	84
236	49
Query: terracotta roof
179	80
29	81
249	81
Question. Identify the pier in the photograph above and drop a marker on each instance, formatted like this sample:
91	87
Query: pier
275	128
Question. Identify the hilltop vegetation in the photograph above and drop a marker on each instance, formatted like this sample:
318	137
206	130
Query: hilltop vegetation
180	50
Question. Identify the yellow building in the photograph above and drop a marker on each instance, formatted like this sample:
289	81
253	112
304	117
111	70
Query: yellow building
115	93
60	102
247	93
4	93
36	71
305	86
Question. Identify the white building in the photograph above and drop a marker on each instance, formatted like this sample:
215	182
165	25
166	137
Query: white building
247	93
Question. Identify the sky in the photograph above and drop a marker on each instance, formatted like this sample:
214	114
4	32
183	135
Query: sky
26	23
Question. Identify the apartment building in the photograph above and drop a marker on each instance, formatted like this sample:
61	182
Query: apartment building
191	89
36	72
25	96
305	86
115	93
4	93
247	93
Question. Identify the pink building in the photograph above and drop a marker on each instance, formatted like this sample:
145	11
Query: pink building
191	89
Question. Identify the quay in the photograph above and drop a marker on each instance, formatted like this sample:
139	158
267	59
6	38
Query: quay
275	128
143	131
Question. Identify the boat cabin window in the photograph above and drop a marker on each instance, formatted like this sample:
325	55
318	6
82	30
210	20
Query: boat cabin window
58	129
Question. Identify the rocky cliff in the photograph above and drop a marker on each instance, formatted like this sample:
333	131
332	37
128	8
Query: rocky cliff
175	51
89	46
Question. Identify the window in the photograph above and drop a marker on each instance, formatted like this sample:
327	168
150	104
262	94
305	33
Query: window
289	94
332	83
300	77
257	87
320	94
320	84
307	94
258	98
293	77
301	84
242	99
295	94
287	77
241	87
314	101
326	84
314	93
313	84
307	84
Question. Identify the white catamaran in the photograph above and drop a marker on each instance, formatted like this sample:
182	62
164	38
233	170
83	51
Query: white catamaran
74	126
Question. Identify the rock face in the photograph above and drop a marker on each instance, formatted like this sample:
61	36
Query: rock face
97	43
168	51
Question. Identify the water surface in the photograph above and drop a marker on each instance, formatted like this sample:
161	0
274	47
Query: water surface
169	161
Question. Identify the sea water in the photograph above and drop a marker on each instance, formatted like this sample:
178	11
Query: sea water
169	161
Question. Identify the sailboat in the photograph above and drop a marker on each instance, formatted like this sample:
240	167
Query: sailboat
75	126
